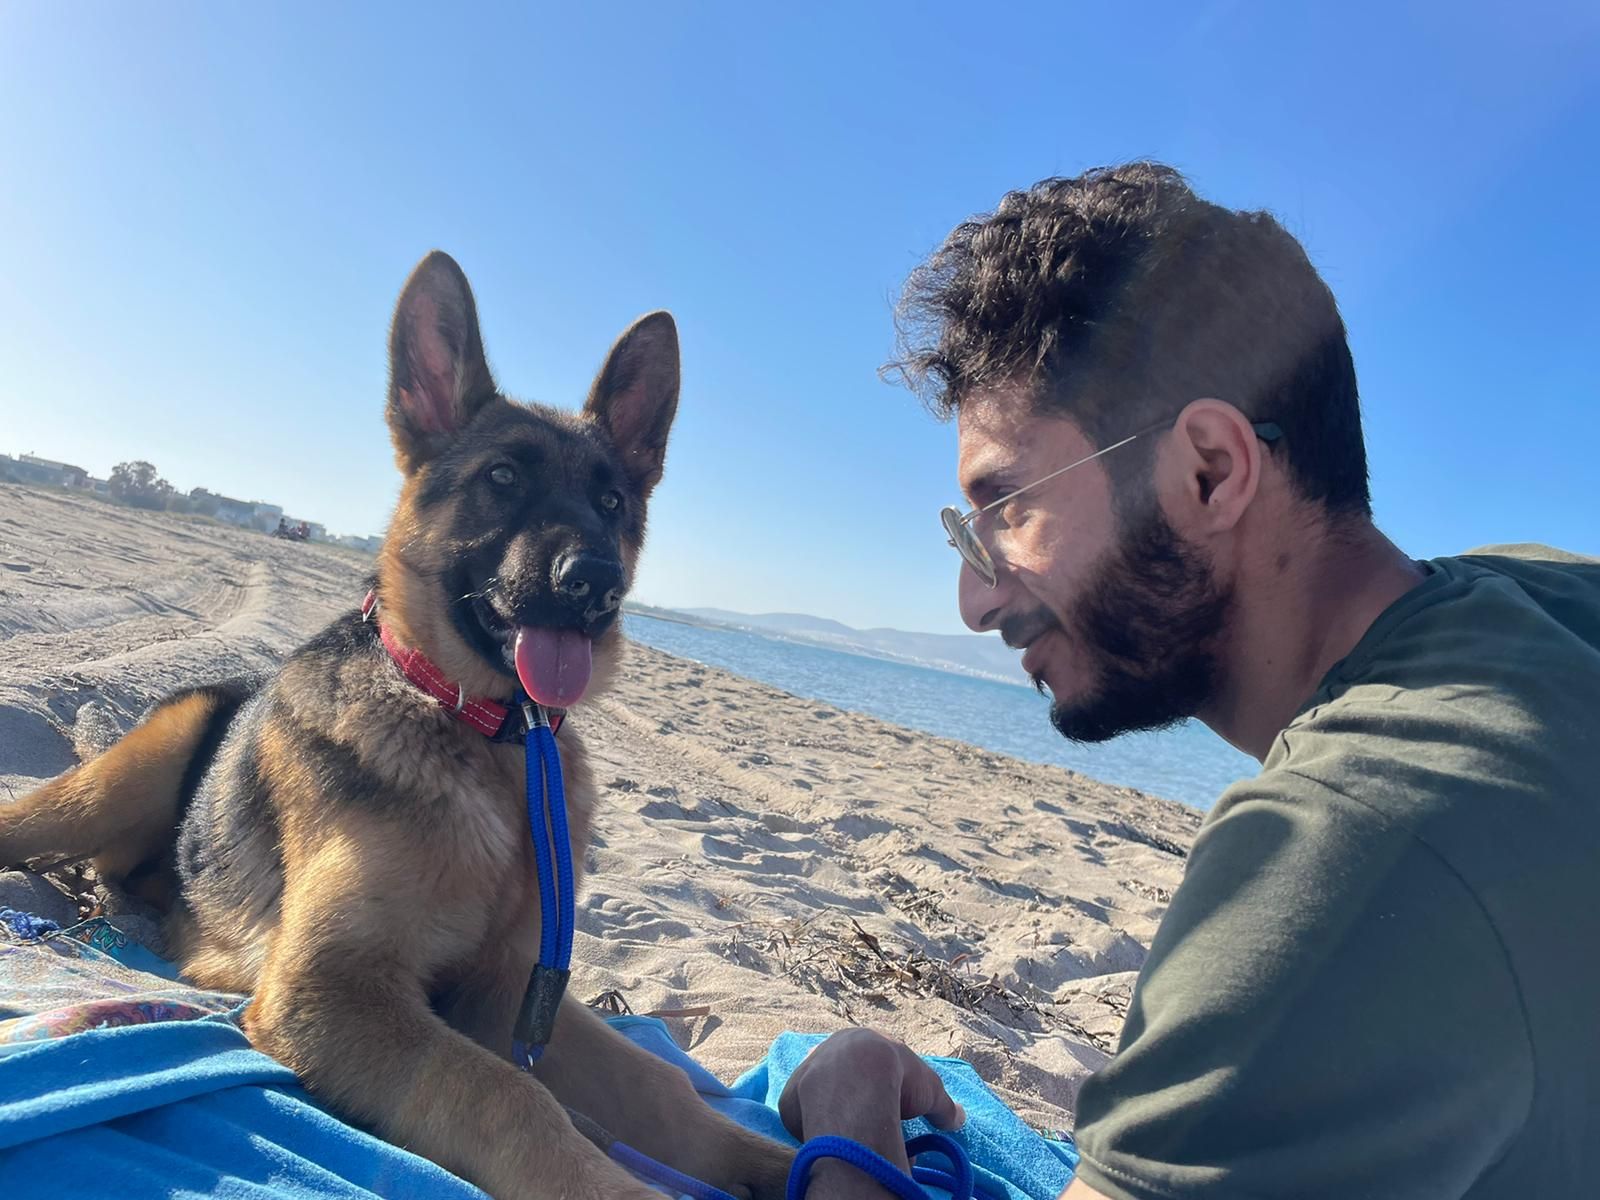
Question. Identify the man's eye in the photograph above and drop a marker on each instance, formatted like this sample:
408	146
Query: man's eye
611	501
991	494
502	476
1004	515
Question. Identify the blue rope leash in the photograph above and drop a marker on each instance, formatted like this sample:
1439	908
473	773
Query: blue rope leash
566	902
658	1172
538	785
882	1171
547	823
27	926
959	1181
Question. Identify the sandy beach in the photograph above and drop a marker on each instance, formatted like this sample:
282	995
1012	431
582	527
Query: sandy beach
760	862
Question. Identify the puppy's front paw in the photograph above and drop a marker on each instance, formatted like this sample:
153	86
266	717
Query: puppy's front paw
758	1169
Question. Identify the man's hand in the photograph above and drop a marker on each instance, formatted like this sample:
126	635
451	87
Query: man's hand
861	1085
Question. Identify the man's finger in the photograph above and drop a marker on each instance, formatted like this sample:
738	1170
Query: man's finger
789	1108
923	1095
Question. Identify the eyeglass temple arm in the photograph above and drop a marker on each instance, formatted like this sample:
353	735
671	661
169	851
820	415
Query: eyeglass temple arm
1061	471
1267	431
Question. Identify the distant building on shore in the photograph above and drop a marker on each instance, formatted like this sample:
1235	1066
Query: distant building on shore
43	472
249	514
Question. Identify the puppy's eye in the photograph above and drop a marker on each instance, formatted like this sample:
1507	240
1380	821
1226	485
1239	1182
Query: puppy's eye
501	475
611	501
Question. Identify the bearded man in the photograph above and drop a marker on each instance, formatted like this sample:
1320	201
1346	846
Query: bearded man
1380	976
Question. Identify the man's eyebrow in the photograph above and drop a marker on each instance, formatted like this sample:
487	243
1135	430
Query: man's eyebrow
978	479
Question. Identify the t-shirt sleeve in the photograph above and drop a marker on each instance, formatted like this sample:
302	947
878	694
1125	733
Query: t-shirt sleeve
1326	1011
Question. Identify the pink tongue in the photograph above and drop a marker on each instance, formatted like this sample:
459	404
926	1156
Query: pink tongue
553	665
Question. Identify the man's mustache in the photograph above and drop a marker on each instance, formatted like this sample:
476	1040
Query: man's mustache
1023	628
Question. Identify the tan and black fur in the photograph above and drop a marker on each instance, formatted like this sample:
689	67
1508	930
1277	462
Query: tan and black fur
337	843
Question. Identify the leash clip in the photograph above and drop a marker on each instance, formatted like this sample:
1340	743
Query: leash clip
534	716
536	1019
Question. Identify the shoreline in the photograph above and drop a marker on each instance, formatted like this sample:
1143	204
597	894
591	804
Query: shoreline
676	617
1188	764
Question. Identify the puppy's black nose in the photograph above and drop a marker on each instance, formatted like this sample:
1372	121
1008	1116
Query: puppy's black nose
588	585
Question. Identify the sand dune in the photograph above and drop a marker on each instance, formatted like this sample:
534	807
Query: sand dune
762	861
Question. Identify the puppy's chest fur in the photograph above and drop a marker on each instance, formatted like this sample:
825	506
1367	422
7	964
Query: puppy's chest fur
343	743
467	800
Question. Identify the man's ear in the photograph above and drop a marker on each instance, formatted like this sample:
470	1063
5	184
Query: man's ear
635	396
1218	463
438	376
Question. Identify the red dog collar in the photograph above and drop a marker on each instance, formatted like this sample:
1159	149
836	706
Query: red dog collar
488	717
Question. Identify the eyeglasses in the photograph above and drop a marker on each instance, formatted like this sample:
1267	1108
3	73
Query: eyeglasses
976	555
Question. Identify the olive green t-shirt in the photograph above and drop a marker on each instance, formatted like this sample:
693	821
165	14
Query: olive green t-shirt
1381	976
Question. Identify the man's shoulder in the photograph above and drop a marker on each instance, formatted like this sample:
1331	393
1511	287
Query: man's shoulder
1531	552
1467	763
1540	589
1478	684
1469	740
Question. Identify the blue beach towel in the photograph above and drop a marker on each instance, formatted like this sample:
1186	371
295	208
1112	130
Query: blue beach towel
116	1078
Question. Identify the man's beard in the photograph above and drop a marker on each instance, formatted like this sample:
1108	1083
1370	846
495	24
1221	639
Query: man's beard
1148	624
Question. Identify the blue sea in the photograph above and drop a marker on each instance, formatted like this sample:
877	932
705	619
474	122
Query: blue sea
1189	763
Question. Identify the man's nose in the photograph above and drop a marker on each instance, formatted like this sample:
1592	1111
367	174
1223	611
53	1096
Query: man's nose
980	603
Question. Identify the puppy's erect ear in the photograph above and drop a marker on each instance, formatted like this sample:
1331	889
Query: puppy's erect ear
635	396
438	376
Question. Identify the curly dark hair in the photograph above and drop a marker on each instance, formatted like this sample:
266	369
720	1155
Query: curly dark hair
1118	296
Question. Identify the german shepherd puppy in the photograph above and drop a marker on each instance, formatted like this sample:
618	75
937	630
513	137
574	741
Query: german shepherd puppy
344	847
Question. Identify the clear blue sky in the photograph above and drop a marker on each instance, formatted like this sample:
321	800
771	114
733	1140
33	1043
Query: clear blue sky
206	212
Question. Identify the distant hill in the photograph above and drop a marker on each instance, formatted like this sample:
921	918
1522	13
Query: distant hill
984	655
788	622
